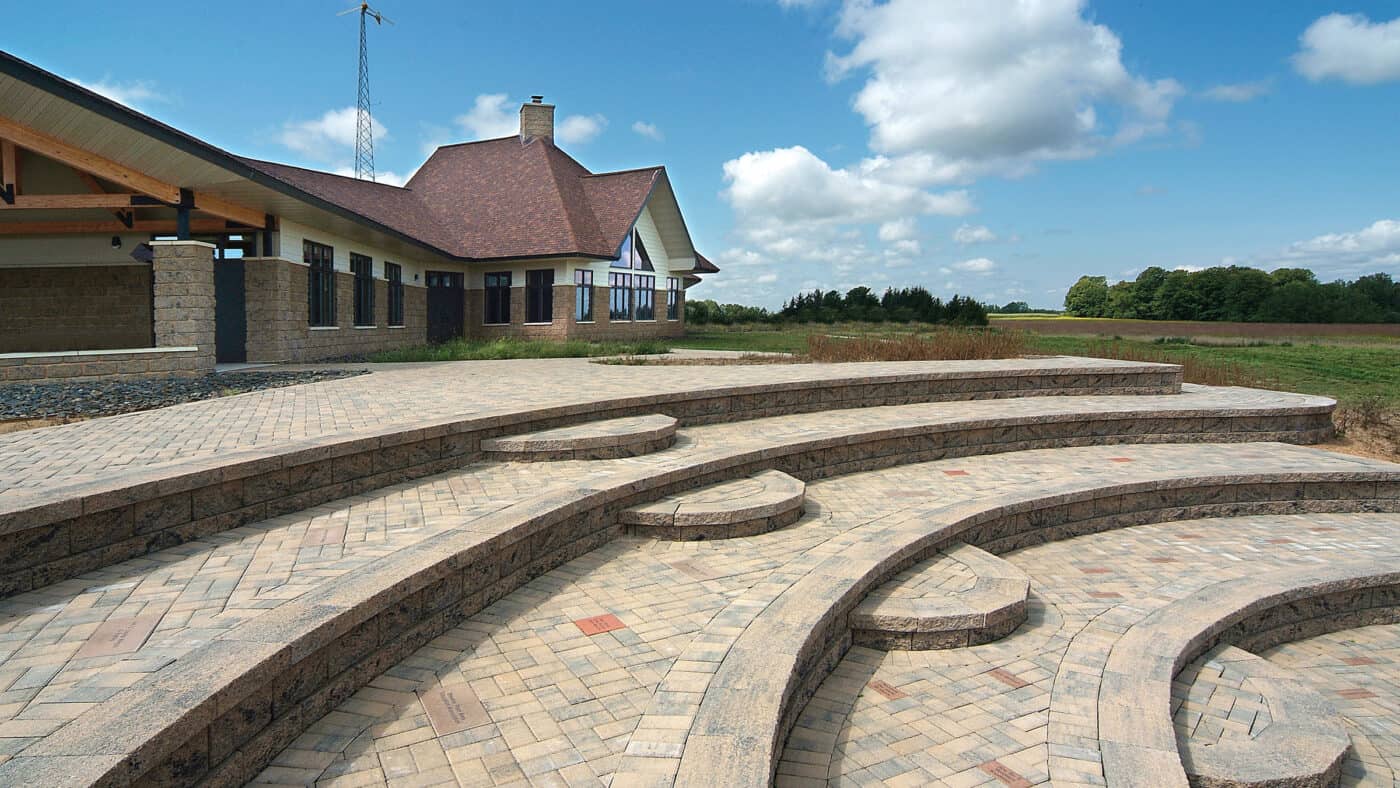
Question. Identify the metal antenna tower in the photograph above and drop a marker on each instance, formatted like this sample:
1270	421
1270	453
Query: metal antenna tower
364	124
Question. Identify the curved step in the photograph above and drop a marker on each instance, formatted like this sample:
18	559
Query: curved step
45	542
744	507
790	643
593	440
1135	726
1295	739
916	611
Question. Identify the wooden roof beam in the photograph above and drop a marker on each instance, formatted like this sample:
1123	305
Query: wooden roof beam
91	163
165	226
9	171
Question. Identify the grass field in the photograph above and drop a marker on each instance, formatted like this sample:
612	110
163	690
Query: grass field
1101	326
1362	368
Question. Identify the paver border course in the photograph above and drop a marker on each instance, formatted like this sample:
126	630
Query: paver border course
1136	734
225	709
54	541
783	655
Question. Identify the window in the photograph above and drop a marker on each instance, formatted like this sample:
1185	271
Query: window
539	296
394	273
645	297
619	297
583	296
498	297
363	269
673	298
633	254
320	287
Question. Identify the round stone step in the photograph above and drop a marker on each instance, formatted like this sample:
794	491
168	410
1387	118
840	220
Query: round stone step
594	440
963	596
744	507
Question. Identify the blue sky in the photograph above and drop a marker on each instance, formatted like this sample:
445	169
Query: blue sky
987	147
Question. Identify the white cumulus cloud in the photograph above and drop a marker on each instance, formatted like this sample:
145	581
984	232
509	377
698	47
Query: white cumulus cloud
490	117
1350	47
579	129
1238	92
1347	254
995	83
980	265
968	234
133	94
898	230
330	137
648	130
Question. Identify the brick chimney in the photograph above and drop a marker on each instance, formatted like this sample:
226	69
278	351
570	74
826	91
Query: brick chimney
537	119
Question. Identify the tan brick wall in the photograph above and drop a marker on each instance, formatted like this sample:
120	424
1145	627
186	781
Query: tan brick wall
72	367
183	298
75	308
564	325
277	313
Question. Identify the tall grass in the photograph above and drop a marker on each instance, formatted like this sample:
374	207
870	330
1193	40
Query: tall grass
949	344
509	348
1209	372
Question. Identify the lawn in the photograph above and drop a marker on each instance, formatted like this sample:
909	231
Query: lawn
1349	372
509	348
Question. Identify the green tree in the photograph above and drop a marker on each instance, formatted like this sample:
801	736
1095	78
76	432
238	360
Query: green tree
1088	297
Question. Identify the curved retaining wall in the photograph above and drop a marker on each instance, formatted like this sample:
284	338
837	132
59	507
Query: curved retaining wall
1136	734
781	658
223	711
74	528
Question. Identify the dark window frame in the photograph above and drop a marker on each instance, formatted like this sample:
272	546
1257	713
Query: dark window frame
320	283
644	297
496	299
673	300
393	274
583	296
619	298
362	266
539	295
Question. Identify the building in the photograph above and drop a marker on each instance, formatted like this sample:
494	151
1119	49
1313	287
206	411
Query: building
128	247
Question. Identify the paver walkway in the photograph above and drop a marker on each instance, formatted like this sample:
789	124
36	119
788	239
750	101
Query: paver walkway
558	699
395	395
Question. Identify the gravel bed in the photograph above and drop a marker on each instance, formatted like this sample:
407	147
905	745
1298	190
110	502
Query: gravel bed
110	397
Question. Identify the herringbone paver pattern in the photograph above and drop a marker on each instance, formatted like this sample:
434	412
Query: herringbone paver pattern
564	706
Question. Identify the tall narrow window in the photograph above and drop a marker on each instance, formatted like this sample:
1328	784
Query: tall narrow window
645	298
363	269
539	296
583	296
673	298
619	297
498	298
320	284
394	273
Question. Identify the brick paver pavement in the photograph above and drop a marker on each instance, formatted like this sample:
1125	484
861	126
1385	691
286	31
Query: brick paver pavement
561	705
392	395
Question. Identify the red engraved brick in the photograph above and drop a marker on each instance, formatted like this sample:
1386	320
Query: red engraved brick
597	625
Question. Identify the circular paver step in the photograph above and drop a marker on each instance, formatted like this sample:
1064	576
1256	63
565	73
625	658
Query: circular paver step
594	440
964	596
744	507
1243	721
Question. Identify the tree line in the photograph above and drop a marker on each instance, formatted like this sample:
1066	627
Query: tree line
1238	294
859	304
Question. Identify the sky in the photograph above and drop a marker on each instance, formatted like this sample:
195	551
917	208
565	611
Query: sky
993	148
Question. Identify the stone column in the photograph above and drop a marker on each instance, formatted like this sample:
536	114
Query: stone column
183	299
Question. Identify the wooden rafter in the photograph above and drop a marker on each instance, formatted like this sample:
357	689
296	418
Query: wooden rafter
9	171
126	217
91	163
112	227
74	201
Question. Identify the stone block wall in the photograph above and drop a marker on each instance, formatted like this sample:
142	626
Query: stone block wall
75	308
183	298
277	316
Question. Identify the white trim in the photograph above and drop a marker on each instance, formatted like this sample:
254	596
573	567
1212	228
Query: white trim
391	328
546	323
584	322
497	324
323	328
114	352
204	244
362	328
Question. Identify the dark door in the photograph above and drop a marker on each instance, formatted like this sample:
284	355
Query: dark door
230	313
445	303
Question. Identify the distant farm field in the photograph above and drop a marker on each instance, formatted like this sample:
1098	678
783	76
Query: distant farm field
1108	327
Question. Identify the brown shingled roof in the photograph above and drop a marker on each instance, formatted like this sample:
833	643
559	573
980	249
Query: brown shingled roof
496	198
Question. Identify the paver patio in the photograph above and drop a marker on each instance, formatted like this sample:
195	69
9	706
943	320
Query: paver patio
615	663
